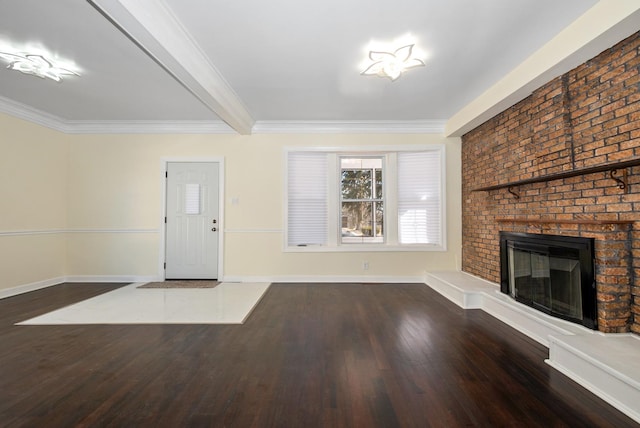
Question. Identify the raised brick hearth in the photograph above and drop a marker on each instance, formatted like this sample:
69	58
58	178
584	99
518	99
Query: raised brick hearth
589	116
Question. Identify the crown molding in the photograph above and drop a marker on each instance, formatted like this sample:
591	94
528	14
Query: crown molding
30	114
39	117
148	127
350	127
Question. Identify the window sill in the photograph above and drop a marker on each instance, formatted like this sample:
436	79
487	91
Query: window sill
363	248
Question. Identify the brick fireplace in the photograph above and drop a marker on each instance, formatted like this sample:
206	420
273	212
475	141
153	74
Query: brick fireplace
588	117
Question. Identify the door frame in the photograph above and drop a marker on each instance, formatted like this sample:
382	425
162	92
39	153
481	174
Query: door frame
163	209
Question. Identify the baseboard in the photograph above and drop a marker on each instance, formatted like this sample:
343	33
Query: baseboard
14	291
324	279
112	278
26	288
619	385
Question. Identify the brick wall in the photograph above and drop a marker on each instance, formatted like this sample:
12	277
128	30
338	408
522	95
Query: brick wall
589	116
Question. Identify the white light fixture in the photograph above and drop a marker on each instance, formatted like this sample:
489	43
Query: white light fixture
390	64
36	65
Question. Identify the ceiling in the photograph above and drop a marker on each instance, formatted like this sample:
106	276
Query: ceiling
245	65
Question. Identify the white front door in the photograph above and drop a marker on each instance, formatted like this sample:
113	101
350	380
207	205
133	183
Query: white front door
192	223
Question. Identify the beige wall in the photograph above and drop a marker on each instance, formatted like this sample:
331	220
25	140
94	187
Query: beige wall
33	190
109	198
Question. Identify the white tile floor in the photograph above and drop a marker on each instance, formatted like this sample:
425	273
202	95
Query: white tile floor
227	303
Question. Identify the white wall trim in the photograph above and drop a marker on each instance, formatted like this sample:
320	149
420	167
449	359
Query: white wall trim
65	231
26	288
39	117
125	231
147	127
33	115
33	232
253	231
325	279
30	114
112	278
350	127
38	285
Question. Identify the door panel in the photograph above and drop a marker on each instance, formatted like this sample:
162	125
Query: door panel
192	229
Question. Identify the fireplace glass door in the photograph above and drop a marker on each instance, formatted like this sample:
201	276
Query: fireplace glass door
546	282
553	274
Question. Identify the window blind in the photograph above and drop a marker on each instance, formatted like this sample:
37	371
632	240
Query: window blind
419	198
307	183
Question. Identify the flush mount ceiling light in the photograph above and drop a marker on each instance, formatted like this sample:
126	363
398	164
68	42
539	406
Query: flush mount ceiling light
37	65
390	64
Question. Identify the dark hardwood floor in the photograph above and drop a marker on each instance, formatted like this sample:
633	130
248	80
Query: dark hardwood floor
310	355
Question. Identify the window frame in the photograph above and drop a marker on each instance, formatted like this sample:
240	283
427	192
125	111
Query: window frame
374	199
390	177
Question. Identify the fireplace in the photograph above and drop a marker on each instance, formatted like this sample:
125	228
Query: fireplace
551	273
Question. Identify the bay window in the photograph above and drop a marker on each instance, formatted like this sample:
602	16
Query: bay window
376	199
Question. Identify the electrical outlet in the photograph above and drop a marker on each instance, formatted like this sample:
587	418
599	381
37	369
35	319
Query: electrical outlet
365	265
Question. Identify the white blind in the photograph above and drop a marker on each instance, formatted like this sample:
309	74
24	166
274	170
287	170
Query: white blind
192	198
419	198
307	185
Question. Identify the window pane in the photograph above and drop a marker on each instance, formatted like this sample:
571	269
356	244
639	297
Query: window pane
359	224
356	184
378	194
356	218
192	198
379	224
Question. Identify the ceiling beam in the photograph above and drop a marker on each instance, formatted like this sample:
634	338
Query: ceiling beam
601	27
156	30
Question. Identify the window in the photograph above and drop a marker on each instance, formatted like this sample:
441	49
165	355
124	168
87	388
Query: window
356	200
362	201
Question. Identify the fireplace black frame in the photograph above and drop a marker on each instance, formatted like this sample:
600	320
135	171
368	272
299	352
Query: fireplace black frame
554	243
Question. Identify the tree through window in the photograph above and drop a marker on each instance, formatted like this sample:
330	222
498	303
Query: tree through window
362	201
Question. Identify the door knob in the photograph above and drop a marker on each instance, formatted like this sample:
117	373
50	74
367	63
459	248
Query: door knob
213	229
